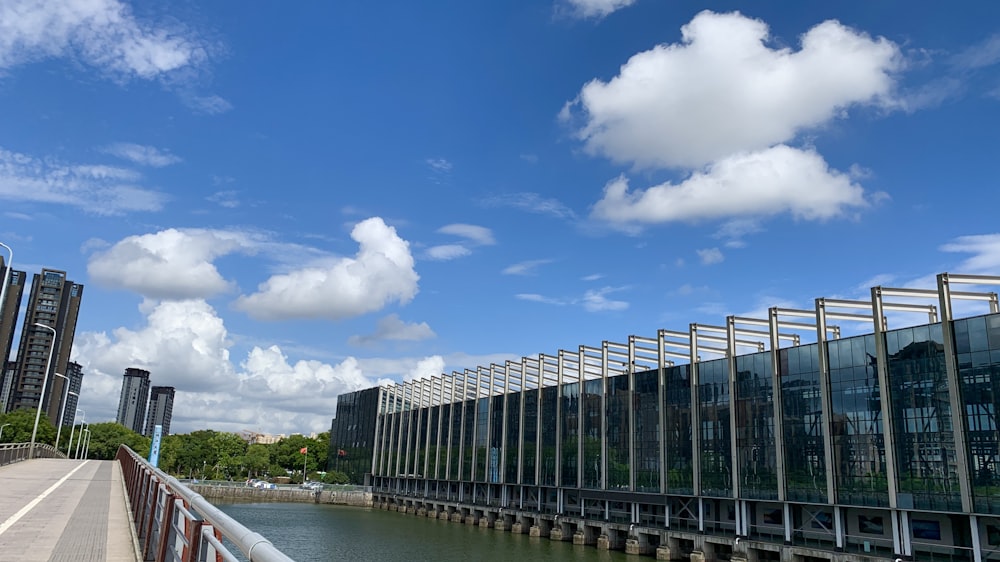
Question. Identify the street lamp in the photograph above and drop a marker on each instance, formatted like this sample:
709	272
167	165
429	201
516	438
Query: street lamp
69	448
86	448
80	441
45	380
62	409
1	430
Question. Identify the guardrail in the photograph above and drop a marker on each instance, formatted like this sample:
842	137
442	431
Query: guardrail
174	523
17	452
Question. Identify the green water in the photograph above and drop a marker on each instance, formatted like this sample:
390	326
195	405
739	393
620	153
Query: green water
308	532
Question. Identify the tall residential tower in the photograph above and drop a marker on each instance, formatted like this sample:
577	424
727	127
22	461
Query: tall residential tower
132	405
54	302
9	309
161	409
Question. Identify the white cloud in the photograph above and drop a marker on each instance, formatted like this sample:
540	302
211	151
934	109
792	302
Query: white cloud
525	267
381	272
427	367
186	345
447	252
208	105
756	184
710	256
597	300
104	34
532	203
985	250
439	165
141	154
96	189
228	198
392	328
477	234
597	8
170	264
723	90
473	234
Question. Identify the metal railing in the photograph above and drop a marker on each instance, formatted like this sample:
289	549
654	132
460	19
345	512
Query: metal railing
174	523
17	452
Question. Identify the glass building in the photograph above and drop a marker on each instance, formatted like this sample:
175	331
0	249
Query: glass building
782	432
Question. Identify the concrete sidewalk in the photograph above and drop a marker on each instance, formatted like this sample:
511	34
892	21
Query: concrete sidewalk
64	510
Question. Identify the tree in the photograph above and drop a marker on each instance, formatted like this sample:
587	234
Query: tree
229	450
21	424
257	459
105	438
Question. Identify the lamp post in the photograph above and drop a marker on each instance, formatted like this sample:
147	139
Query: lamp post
69	448
45	381
62	408
6	276
80	440
86	448
1	430
62	414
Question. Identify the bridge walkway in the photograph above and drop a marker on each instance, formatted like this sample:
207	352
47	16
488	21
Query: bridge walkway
64	510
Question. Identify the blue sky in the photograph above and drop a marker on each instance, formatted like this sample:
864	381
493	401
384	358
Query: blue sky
273	203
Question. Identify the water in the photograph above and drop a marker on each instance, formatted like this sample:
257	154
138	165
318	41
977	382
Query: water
315	532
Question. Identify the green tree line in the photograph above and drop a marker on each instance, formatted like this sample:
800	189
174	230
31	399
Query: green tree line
203	454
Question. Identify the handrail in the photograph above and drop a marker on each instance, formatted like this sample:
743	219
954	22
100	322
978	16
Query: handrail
17	452
174	523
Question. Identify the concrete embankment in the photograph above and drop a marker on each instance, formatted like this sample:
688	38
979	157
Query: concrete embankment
211	492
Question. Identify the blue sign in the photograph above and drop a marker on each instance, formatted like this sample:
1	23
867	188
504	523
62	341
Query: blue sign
154	447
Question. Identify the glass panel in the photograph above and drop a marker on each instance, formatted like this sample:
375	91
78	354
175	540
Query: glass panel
925	441
469	429
678	439
647	432
455	449
805	459
755	427
592	414
482	438
858	440
513	436
529	449
981	395
570	433
619	433
496	438
420	442
550	397
716	444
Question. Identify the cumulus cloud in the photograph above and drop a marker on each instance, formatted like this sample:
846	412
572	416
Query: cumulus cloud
427	367
104	34
141	154
751	184
597	8
392	328
381	272
723	89
95	189
170	264
185	344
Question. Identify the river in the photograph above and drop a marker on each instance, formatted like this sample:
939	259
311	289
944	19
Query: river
316	532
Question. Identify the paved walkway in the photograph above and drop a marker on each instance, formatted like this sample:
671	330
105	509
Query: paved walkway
64	510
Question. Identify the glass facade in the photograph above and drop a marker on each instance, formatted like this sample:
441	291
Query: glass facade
857	428
624	447
802	411
716	444
977	349
754	410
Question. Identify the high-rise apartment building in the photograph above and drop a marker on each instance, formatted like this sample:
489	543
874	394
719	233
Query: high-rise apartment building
75	373
132	404
54	302
10	306
161	408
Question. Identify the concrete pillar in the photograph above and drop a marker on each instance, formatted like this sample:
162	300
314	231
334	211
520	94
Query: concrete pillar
603	542
541	528
456	516
500	525
422	512
432	514
638	544
557	533
471	519
518	527
664	552
698	556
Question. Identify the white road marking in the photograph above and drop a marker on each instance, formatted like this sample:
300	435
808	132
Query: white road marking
31	505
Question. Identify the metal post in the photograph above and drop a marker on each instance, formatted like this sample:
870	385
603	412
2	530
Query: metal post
62	409
45	381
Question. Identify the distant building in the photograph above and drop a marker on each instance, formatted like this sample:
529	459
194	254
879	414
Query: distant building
75	373
9	309
352	434
132	404
161	408
54	302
